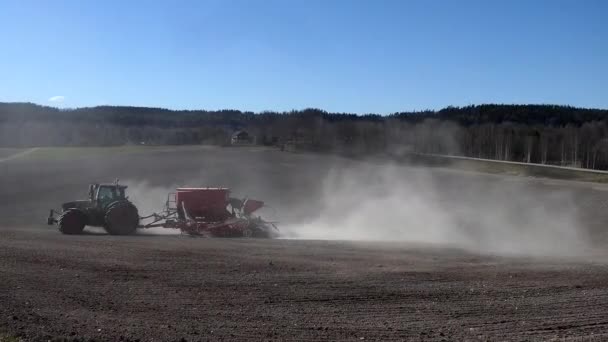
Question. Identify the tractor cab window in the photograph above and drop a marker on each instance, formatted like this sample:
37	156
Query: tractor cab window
107	194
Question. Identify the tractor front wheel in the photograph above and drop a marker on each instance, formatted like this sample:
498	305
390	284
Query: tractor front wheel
121	218
71	222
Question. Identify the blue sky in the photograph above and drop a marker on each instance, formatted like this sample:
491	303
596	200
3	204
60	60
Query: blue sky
339	55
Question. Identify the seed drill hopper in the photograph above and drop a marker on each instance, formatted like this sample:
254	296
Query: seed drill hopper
211	212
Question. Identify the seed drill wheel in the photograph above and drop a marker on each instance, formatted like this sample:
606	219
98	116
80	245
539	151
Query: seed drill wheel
121	218
71	222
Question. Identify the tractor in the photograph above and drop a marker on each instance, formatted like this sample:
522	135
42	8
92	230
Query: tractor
107	207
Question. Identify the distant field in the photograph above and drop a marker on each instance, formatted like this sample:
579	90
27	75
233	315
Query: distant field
77	152
457	163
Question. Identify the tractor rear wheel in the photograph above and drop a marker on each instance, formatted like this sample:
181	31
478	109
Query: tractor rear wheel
121	218
71	222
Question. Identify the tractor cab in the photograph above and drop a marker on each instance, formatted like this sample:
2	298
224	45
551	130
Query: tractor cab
104	194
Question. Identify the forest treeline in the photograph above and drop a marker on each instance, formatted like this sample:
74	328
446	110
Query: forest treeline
547	134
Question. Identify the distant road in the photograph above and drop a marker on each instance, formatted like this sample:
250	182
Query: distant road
513	163
18	155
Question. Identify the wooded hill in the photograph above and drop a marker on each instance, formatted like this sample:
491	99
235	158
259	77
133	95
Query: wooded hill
548	134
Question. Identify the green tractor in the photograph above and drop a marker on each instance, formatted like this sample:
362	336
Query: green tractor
107	207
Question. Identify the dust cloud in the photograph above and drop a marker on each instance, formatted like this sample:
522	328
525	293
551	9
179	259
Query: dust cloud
366	201
487	214
150	199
